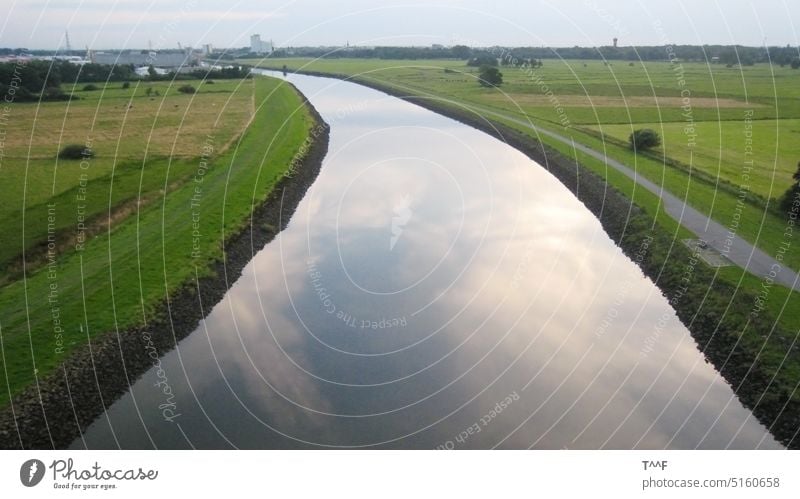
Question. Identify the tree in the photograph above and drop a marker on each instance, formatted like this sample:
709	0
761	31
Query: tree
461	51
729	56
795	63
75	151
186	89
483	60
151	71
490	77
790	202
644	138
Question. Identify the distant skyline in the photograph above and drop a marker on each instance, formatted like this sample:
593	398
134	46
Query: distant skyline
41	24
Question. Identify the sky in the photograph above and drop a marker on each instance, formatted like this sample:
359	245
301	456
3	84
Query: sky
117	24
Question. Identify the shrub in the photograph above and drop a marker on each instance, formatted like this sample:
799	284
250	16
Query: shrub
790	202
89	87
490	77
186	89
75	151
644	138
126	84
483	60
55	93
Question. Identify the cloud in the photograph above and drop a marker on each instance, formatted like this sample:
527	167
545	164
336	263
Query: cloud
133	16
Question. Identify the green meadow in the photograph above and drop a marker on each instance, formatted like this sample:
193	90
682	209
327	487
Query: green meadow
130	131
140	220
721	151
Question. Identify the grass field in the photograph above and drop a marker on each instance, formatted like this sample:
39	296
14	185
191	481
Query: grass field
168	124
129	132
121	274
720	151
589	95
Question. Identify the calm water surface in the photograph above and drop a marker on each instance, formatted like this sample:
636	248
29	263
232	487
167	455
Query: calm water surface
434	288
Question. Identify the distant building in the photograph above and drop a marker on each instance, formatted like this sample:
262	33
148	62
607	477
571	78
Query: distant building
164	59
258	46
207	49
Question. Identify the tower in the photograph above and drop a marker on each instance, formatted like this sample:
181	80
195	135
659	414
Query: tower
615	42
255	43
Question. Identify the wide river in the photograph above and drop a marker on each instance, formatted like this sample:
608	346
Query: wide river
435	288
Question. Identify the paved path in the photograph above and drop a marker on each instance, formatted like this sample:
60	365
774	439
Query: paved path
736	249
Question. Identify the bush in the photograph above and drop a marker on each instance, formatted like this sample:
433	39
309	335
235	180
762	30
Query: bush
126	84
89	87
644	138
490	77
795	64
483	60
186	89
790	202
55	93
75	151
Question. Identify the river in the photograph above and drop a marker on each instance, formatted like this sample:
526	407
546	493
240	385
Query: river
434	289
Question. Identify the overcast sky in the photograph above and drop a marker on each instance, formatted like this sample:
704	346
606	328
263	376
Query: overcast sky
101	24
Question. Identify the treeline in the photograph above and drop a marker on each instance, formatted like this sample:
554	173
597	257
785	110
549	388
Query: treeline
723	54
41	80
373	52
227	73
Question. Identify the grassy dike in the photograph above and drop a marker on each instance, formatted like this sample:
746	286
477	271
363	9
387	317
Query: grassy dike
741	333
130	294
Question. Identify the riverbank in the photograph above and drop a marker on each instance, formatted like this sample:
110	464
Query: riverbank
735	332
52	412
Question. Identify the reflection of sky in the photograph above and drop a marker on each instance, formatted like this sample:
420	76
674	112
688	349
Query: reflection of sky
500	282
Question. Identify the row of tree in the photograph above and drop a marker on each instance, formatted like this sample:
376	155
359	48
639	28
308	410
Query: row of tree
41	80
225	73
724	54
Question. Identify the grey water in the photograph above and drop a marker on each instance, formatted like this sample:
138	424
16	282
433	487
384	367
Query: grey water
434	289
